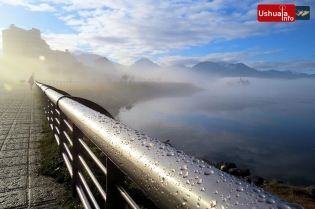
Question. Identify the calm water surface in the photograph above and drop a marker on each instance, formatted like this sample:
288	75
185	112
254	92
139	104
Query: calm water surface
268	127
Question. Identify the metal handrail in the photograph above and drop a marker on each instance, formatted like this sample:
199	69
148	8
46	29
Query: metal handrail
171	178
72	83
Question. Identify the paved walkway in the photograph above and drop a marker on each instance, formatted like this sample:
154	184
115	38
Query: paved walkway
20	133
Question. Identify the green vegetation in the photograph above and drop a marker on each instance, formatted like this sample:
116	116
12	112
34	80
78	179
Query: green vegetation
52	164
138	196
301	195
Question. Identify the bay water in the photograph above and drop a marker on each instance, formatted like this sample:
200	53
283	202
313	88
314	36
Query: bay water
267	126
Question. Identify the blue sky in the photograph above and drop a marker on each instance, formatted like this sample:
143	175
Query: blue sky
169	32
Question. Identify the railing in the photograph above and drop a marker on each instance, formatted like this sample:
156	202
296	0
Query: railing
171	178
71	83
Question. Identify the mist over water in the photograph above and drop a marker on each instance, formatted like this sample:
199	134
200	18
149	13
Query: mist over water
267	126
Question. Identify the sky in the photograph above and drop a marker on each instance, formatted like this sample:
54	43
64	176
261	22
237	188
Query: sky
169	32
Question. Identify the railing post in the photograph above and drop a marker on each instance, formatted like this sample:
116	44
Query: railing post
50	115
76	151
62	128
45	103
55	116
114	176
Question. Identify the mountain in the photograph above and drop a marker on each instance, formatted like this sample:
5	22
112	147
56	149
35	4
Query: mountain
222	69
285	74
310	71
180	66
143	64
226	69
209	68
246	71
218	69
87	59
120	67
104	64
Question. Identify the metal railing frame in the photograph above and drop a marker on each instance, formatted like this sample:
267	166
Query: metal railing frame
71	83
171	178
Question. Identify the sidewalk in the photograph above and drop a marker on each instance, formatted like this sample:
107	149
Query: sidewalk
20	133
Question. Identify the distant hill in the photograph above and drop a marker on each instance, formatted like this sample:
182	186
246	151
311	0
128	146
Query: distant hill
217	69
120	66
209	68
104	64
226	69
285	74
222	69
143	64
87	59
179	67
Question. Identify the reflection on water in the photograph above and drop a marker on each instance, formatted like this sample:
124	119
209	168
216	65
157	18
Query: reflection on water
266	128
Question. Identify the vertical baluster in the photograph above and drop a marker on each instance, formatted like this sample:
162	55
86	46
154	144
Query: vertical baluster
47	107
62	127
50	109
54	122
45	103
114	176
76	151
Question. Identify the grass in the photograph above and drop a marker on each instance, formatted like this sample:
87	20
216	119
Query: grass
301	195
52	164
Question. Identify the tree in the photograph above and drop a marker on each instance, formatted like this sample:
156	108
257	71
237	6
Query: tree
124	78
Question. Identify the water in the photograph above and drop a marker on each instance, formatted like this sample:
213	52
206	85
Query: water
268	127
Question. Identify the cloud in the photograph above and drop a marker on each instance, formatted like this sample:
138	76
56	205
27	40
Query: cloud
124	30
62	41
28	4
41	7
154	27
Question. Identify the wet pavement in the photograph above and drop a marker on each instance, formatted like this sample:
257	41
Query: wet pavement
20	133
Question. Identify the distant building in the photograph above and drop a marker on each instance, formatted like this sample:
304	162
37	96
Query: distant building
20	43
17	41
